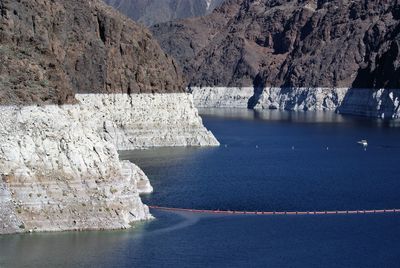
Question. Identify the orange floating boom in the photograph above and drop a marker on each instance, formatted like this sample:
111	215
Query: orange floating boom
289	213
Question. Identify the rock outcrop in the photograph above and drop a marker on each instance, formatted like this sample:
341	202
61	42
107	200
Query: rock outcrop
383	103
51	50
378	103
186	39
303	99
59	174
150	12
147	120
290	44
59	164
222	97
294	99
288	51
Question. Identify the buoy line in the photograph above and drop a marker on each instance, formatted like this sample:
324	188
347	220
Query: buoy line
236	212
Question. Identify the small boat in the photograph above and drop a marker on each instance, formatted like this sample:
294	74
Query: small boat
363	143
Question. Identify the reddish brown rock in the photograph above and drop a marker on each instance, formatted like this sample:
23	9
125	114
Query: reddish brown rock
279	43
51	49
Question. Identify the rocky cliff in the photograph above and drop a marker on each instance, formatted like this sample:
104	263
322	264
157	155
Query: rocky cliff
150	12
78	81
59	165
289	45
58	174
139	121
52	49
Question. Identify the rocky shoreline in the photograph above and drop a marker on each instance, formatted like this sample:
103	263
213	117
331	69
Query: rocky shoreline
147	120
59	164
382	103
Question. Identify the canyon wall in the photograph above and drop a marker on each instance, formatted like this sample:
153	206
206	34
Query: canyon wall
71	78
57	174
295	99
294	54
59	164
147	120
382	103
222	97
52	49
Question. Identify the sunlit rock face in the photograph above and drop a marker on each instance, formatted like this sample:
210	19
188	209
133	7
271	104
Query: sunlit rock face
296	55
383	103
59	164
222	97
295	99
303	99
148	120
59	174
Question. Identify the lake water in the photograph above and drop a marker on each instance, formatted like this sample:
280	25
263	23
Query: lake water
269	161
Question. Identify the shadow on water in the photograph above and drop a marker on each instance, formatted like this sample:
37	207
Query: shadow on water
164	156
311	117
257	170
67	249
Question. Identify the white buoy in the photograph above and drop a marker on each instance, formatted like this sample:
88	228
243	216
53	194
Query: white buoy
364	143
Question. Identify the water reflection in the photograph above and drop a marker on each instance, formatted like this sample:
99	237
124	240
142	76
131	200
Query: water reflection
314	117
85	248
164	156
258	170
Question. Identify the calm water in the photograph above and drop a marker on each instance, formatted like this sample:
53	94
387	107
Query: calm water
267	161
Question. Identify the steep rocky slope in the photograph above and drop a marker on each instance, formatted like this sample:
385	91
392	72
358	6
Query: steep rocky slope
185	39
51	49
57	173
292	45
77	82
59	167
150	12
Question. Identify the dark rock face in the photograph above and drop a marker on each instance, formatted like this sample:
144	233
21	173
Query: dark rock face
283	43
150	12
52	49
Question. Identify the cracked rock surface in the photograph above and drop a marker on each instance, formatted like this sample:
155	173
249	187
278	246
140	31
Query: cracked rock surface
52	49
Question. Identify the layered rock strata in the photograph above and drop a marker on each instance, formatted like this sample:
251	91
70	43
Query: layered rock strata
59	164
294	54
59	174
289	44
305	99
147	120
383	103
222	97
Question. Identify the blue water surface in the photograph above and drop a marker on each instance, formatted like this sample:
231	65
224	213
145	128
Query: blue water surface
267	161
